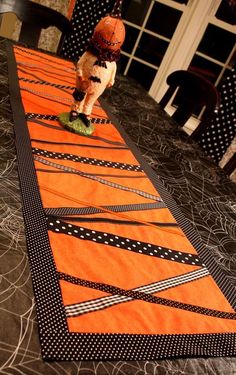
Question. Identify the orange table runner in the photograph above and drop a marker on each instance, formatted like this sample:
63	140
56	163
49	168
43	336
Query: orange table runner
118	272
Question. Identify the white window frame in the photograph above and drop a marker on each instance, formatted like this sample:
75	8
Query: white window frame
188	34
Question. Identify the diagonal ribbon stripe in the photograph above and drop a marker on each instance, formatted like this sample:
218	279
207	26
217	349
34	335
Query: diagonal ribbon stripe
98	179
94	120
106	302
38	122
139	247
146	297
86	160
43	94
116	221
46	83
123	176
64	211
39	58
30	115
49	142
33	74
45	66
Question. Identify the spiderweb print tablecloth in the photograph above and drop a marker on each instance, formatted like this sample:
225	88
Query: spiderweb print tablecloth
118	272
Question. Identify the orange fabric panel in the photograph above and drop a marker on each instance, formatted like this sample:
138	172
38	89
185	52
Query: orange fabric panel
74	293
29	98
93	169
30	106
37	59
48	134
32	72
78	184
116	155
195	294
107	264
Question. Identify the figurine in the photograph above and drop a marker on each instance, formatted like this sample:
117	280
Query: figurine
95	71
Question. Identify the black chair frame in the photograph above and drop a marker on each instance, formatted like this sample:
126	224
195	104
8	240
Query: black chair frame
196	91
35	17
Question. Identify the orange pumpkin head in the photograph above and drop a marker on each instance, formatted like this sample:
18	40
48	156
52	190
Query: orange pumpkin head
109	33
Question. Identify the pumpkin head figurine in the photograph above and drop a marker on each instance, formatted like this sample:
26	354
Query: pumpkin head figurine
109	33
96	70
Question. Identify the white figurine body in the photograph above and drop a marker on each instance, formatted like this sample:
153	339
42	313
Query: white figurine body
92	78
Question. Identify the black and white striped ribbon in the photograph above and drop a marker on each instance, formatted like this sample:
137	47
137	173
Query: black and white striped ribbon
46	83
94	120
98	179
46	95
106	302
66	211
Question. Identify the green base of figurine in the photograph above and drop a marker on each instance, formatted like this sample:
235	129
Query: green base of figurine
76	126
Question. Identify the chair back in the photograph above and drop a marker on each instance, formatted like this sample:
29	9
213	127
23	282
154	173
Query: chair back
195	92
35	17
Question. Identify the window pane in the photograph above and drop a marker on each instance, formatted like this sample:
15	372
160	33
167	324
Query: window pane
130	38
217	43
142	74
206	68
227	12
135	10
151	49
163	20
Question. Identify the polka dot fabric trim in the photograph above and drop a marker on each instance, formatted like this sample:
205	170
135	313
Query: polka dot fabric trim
140	247
218	136
84	160
134	347
86	15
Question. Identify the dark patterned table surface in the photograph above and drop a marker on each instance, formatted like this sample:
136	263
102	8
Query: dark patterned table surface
206	196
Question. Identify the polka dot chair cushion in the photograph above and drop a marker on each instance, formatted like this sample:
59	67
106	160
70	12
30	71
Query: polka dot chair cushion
86	15
218	136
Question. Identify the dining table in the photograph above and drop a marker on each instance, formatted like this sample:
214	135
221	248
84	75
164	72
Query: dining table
203	192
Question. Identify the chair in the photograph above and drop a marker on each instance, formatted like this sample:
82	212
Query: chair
35	17
195	92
